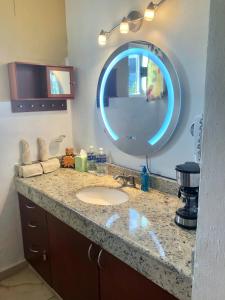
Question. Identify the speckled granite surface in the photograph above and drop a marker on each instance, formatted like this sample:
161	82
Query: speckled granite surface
140	232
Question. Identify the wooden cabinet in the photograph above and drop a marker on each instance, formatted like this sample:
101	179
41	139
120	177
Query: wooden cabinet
118	281
27	81
60	82
74	266
36	87
73	257
35	237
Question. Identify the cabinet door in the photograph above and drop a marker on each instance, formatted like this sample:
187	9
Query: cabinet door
60	82
73	263
119	282
35	237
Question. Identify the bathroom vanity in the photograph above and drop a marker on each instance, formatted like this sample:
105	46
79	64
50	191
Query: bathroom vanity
84	251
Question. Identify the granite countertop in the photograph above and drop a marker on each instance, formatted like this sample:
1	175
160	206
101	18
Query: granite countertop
140	232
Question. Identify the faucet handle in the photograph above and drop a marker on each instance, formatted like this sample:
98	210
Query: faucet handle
122	177
131	181
127	180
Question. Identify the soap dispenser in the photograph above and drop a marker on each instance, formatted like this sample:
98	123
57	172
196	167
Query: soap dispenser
145	180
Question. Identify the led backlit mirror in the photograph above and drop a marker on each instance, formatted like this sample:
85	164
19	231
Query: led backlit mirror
138	98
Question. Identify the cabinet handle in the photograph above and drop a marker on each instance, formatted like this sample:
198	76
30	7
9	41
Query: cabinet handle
33	250
89	252
29	206
99	259
31	225
44	255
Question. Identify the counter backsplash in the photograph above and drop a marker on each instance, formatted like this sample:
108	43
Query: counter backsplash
159	183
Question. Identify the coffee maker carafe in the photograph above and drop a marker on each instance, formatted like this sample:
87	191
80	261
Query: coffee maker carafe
188	177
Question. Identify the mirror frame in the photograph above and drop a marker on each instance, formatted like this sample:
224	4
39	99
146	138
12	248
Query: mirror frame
162	137
68	69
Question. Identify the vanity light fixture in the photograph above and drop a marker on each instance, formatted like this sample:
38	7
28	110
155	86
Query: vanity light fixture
124	26
102	38
150	12
132	22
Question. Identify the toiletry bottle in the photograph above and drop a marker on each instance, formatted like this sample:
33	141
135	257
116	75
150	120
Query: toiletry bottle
81	161
101	163
91	160
145	180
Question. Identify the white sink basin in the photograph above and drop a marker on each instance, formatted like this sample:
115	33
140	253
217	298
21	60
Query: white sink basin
102	196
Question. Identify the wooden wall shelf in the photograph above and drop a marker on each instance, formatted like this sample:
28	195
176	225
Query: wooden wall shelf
36	87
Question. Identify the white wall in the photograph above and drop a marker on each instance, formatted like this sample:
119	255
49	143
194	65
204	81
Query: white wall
209	275
14	127
35	32
180	29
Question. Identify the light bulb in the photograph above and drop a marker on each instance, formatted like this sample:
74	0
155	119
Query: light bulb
124	26
150	12
102	38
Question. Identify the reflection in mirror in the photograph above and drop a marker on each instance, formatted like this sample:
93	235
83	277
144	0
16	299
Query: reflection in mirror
145	78
139	98
60	82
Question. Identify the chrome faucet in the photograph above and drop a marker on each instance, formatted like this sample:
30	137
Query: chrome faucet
127	180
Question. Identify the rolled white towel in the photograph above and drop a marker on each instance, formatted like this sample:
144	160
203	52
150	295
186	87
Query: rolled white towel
25	153
30	170
51	165
42	149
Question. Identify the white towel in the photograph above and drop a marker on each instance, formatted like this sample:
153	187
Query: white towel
30	170
51	165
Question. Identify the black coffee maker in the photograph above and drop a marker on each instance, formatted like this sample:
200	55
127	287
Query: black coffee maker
188	177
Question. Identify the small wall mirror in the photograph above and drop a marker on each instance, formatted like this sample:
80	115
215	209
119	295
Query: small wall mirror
138	98
60	82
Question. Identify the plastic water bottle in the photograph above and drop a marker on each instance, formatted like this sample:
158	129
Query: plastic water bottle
101	163
91	160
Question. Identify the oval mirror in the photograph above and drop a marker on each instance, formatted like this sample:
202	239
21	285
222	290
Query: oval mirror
139	98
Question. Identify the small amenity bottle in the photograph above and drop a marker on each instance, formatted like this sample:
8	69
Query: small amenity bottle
91	160
101	166
81	161
145	180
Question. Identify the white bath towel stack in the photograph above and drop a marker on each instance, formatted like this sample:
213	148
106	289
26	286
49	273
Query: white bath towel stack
30	170
46	165
50	165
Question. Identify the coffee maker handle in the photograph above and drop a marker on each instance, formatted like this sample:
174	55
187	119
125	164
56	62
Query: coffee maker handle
179	192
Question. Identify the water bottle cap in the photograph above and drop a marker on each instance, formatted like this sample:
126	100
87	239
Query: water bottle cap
144	169
101	151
